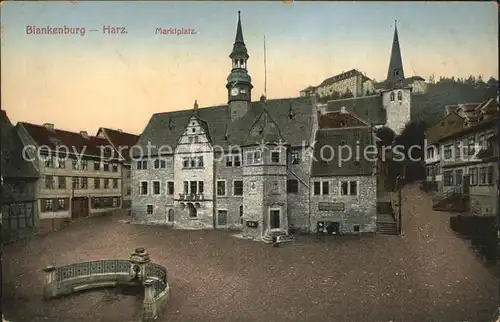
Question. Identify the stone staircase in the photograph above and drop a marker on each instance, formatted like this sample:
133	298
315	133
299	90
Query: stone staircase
387	228
451	200
271	236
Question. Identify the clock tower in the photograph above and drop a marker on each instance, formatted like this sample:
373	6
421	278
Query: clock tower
239	83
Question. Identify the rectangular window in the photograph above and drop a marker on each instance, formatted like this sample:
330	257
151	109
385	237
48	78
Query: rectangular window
317	188
356	228
129	191
114	167
471	144
84	183
253	157
149	209
237	188
61	182
105	167
200	186
458	177
84	164
143	188
241	215
142	165
75	164
325	188
221	188
482	175
185	162
49	205
489	175
61	163
448	178
295	157
473	176
229	161
106	183
193	186
156	188
49	162
61	204
275	157
170	187
482	142
156	164
186	187
292	186
76	182
237	160
97	183
115	202
353	188
344	188
447	152
458	149
115	183
97	165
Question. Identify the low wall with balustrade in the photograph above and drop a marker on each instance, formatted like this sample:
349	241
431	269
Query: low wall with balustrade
138	270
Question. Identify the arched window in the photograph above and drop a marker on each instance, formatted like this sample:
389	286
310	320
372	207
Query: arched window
400	96
170	215
392	97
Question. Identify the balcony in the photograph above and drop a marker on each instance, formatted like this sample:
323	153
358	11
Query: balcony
191	196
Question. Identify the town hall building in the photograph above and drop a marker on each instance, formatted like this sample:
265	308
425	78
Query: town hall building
267	165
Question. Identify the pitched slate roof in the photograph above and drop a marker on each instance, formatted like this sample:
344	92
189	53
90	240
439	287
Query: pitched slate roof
166	128
449	125
337	167
340	119
368	108
12	163
121	140
75	142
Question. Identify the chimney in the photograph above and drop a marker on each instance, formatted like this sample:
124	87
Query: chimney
263	98
84	134
49	126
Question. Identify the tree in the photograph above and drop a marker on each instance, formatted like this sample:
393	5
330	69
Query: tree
347	94
411	140
432	79
386	136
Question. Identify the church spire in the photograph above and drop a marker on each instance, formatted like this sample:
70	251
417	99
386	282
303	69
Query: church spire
395	73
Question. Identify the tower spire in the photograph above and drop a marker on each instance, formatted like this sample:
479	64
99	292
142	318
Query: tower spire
395	73
239	44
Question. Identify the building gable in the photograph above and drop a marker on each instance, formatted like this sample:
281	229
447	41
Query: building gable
339	119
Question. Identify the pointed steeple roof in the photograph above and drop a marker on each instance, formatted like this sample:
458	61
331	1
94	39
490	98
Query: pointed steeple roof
395	73
239	44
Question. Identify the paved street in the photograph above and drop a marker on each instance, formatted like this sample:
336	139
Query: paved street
426	275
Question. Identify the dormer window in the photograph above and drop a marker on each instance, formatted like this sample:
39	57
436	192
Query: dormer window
193	130
392	97
196	139
400	96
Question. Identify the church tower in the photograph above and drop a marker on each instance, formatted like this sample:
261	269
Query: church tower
239	83
396	98
395	73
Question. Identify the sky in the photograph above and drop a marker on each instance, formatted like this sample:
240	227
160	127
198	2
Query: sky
120	80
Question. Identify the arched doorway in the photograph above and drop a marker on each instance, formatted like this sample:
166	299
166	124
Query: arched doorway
170	216
192	210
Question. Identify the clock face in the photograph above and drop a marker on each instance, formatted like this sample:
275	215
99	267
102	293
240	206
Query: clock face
235	91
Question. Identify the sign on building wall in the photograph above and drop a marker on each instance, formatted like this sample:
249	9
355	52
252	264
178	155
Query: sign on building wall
252	224
331	206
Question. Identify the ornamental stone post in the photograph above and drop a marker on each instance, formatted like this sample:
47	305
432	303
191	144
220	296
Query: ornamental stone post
139	260
149	312
50	280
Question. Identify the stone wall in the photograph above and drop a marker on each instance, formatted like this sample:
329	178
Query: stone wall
359	210
298	203
229	202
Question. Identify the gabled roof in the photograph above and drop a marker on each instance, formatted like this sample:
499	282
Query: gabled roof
367	108
339	119
263	130
75	142
13	165
449	125
360	166
121	140
166	128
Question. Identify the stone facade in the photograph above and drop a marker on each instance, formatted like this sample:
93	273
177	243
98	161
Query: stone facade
397	104
359	209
